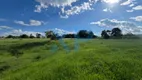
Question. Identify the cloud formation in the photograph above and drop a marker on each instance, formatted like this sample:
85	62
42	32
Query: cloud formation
56	3
18	32
128	2
139	7
126	26
62	4
131	5
5	27
62	32
111	1
129	10
75	10
31	23
107	10
137	18
67	9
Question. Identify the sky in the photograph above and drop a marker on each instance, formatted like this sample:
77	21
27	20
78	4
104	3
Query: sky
69	16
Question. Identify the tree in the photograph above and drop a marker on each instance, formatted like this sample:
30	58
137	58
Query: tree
90	34
82	34
31	36
51	35
38	35
15	52
24	36
69	35
130	36
85	34
9	36
108	32
116	33
105	35
1	37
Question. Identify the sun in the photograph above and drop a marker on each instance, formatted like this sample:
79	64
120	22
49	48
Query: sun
111	1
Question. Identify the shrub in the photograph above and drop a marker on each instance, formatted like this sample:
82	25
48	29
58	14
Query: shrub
4	67
15	52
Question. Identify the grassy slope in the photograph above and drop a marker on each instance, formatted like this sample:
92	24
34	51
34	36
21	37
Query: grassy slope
94	60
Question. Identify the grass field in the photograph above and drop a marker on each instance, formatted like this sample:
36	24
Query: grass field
40	59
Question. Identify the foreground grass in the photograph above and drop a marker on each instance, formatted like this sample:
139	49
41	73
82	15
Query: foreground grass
91	60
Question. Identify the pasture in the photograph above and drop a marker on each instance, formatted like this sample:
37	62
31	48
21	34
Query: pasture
70	59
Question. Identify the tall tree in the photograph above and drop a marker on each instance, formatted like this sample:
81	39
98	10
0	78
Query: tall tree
116	33
9	36
51	35
91	34
31	36
38	35
24	36
69	35
105	35
85	34
82	34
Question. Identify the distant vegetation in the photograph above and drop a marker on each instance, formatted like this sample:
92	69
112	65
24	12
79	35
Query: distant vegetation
24	36
115	33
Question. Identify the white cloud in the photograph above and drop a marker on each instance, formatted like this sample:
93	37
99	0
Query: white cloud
139	7
126	26
20	32
131	5
111	1
5	27
75	10
129	10
64	16
107	10
61	31
56	3
137	18
62	4
31	23
127	2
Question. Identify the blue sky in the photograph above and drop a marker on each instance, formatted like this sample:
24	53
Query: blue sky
69	16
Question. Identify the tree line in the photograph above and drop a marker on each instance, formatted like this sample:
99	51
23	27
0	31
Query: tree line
115	33
38	35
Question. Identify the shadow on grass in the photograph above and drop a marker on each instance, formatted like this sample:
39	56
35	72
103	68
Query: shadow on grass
17	50
4	68
29	45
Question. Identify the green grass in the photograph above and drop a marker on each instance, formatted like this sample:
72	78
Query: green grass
49	60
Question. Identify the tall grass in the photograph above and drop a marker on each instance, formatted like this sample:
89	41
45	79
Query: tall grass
93	60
